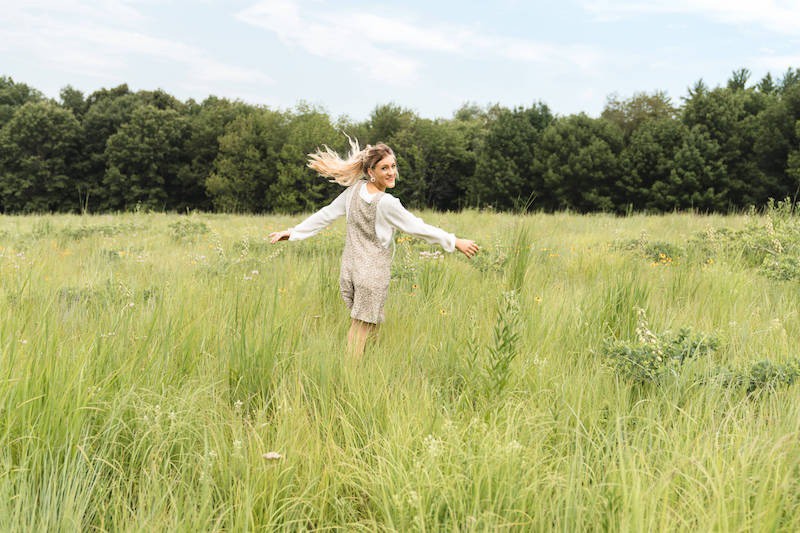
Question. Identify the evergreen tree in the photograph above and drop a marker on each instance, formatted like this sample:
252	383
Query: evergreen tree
579	156
507	173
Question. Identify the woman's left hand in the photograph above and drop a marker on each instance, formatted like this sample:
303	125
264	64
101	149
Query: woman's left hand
467	247
279	236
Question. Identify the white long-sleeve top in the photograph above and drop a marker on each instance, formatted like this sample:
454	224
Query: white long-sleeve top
390	215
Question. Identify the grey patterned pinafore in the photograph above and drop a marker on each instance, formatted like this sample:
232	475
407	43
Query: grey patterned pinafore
366	264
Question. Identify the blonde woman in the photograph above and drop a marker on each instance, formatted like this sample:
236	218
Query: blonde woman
373	215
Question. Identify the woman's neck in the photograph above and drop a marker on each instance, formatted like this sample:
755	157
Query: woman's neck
372	188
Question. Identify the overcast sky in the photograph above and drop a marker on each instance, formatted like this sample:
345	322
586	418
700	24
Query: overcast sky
432	57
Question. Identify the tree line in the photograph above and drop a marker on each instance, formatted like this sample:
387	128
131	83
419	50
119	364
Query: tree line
721	148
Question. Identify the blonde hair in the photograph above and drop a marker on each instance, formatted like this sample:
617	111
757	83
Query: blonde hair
345	172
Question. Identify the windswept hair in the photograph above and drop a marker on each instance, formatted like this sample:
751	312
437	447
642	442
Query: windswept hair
345	172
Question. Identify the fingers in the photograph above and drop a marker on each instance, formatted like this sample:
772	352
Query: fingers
469	248
276	236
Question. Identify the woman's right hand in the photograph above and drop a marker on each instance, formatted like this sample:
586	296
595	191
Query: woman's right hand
276	236
467	247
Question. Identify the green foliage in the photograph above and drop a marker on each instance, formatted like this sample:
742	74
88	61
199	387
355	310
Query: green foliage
105	230
697	179
298	188
107	110
186	229
206	123
652	251
489	367
247	163
493	258
769	242
518	259
729	117
74	100
504	350
632	113
648	162
654	357
14	95
507	171
386	121
434	162
667	165
767	376
723	148
38	150
144	157
579	158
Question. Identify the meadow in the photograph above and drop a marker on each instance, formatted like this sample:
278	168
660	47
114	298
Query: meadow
583	373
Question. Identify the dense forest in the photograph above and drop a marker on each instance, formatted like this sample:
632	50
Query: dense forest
719	149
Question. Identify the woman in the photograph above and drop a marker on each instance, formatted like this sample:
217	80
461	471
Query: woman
372	217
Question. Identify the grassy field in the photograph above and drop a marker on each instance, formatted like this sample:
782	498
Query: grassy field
584	373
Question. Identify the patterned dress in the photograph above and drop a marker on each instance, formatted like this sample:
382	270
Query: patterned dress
366	264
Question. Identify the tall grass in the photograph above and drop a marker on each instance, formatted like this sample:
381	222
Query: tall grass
150	363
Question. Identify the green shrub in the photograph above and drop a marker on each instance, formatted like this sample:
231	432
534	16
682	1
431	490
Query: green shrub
185	229
763	376
653	356
770	243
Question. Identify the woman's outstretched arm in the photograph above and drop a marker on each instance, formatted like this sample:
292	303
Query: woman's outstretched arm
315	223
403	220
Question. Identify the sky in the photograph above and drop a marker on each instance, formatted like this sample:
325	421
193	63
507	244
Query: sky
349	56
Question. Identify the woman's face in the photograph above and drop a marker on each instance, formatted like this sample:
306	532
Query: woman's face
384	172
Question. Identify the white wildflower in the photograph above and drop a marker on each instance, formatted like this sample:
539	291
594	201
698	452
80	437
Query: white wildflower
513	446
433	445
431	255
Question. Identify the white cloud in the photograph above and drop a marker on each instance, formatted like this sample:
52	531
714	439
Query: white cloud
333	37
387	48
582	57
396	32
101	39
776	15
778	62
29	11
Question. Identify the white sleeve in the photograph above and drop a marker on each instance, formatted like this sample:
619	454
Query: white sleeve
399	218
319	220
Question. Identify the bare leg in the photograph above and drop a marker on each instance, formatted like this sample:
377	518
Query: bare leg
357	337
